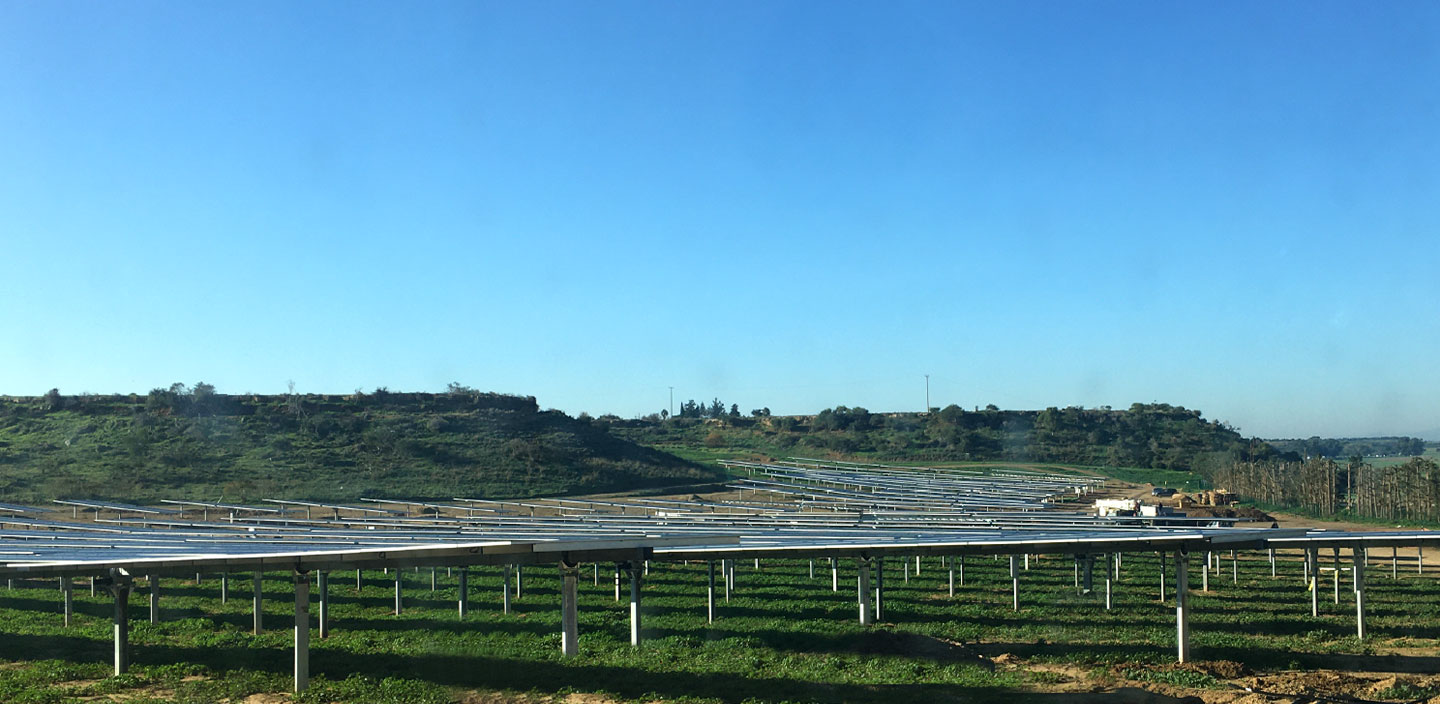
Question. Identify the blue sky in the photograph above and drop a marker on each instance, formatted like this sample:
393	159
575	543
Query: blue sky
1230	206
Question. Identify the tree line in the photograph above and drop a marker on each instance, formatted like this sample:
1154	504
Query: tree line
1407	491
715	409
1144	435
1338	448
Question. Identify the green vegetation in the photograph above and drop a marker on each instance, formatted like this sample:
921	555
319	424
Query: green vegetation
189	443
1173	478
1153	436
782	637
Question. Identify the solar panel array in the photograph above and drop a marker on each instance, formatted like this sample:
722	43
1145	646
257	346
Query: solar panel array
800	506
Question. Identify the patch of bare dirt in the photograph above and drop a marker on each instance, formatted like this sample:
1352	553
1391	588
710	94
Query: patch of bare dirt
266	699
1219	669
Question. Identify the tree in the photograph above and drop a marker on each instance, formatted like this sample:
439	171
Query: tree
734	410
717	408
202	396
53	401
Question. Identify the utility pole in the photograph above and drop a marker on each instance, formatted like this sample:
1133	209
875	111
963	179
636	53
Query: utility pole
927	393
672	402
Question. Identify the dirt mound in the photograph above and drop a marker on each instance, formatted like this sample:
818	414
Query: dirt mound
919	646
1219	669
1323	682
1243	512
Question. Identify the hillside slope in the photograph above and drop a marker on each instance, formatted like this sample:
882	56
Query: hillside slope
1145	435
193	444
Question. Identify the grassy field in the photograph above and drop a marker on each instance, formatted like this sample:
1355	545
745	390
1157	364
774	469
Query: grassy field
781	637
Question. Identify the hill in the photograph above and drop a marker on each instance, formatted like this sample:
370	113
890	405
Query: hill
1157	436
186	443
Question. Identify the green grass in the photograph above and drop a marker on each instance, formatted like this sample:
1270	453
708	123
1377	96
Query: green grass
782	637
1406	692
1175	479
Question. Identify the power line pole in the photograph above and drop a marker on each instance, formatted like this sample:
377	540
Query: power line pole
927	393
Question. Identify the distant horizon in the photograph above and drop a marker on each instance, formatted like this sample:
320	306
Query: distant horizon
744	409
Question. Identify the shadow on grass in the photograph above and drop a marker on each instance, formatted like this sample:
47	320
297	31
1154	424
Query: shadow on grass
553	676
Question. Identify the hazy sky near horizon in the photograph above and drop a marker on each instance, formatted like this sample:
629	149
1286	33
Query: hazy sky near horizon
1228	206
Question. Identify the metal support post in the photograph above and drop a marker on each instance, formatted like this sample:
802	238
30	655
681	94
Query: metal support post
322	585
1109	576
302	631
154	599
569	610
505	589
67	595
710	592
1182	615
1163	577
1358	557
862	582
1205	575
462	598
1312	562
1087	574
951	563
257	599
635	576
224	587
120	589
1234	568
834	575
1014	584
1335	563
879	589
519	581
399	607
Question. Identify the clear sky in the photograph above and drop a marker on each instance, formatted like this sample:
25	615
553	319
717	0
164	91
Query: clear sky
1228	206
